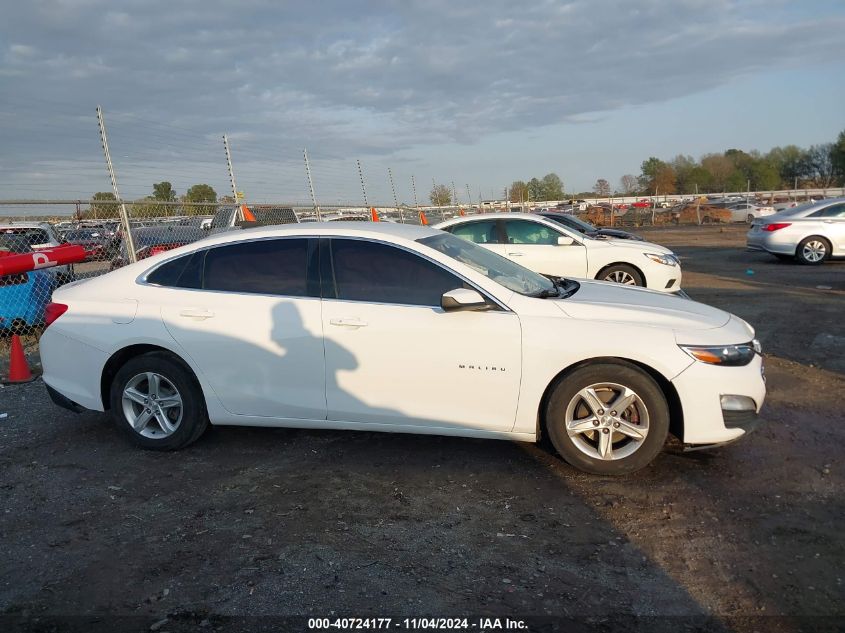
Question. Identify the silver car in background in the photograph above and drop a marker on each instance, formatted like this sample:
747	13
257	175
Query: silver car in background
810	233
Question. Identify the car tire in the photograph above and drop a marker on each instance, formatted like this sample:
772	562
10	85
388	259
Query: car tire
784	258
749	219
622	274
812	250
706	220
581	435
153	378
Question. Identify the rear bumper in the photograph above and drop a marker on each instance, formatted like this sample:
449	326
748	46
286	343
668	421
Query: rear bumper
62	401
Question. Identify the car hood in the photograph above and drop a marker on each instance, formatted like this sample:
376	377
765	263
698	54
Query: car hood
637	245
609	302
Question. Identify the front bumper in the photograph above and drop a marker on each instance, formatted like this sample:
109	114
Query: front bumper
700	388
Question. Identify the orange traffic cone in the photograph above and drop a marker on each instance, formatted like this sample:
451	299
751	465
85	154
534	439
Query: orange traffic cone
18	367
374	214
248	215
461	211
423	219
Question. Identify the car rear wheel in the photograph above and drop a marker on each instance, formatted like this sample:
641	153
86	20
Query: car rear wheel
812	250
622	274
156	399
607	418
749	219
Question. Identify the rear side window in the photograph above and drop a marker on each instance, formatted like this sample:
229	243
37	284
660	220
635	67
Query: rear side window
833	211
379	273
526	232
273	267
482	232
182	272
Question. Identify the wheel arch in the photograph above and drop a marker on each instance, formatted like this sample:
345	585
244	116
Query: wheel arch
673	400
634	266
124	355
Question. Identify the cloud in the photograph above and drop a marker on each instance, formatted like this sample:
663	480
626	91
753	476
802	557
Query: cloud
386	76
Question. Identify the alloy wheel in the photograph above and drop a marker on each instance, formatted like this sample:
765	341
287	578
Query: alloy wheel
621	277
814	251
152	405
607	421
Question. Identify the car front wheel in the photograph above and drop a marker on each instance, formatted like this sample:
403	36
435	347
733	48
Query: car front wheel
156	399
607	418
622	274
812	250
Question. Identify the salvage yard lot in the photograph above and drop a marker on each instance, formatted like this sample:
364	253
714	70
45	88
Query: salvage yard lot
278	522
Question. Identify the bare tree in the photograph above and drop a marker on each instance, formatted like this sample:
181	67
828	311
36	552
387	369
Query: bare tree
629	185
440	196
602	188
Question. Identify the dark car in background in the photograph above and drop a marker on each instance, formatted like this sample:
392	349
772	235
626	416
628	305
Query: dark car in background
95	242
582	226
152	240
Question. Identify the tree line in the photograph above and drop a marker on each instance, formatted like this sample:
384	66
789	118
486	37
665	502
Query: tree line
104	203
787	167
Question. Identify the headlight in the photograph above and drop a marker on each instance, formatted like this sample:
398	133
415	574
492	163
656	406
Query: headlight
725	355
667	260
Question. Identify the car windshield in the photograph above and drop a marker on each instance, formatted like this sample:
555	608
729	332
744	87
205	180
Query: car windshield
799	209
31	236
14	243
579	224
503	271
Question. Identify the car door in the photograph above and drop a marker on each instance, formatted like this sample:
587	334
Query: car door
249	315
394	357
535	246
831	224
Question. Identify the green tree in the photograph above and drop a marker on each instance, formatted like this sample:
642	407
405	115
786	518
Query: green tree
552	187
535	189
200	193
719	168
105	209
440	196
821	165
164	191
657	176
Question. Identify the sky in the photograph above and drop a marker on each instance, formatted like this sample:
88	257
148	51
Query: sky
477	93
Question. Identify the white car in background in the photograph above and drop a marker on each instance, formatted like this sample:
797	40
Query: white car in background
811	233
551	249
391	327
748	211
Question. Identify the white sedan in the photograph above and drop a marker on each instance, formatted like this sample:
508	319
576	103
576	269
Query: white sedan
389	327
551	249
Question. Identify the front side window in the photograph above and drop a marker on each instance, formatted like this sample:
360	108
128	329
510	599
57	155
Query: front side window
480	232
271	267
526	232
380	273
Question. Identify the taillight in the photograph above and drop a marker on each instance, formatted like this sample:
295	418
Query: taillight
53	311
776	226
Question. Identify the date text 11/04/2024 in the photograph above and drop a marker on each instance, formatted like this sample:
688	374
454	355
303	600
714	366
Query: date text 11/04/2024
417	624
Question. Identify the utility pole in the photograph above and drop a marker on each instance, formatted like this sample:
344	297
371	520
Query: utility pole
697	204
455	194
414	187
124	214
363	187
239	209
395	199
311	185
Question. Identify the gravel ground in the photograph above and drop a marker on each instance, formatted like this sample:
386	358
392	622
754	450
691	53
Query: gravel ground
261	522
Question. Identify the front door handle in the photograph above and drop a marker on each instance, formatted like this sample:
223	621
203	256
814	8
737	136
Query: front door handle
351	323
516	254
197	314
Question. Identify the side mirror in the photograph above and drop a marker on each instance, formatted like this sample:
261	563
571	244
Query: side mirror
565	241
462	299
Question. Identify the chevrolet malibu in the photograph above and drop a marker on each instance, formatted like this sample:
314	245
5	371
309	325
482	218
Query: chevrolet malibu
388	327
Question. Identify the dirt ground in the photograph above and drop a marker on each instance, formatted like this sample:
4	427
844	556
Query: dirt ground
266	523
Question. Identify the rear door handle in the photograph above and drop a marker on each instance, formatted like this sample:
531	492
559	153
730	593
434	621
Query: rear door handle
516	254
197	314
351	323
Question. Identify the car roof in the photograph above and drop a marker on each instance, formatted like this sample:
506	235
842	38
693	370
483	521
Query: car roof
513	215
352	229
